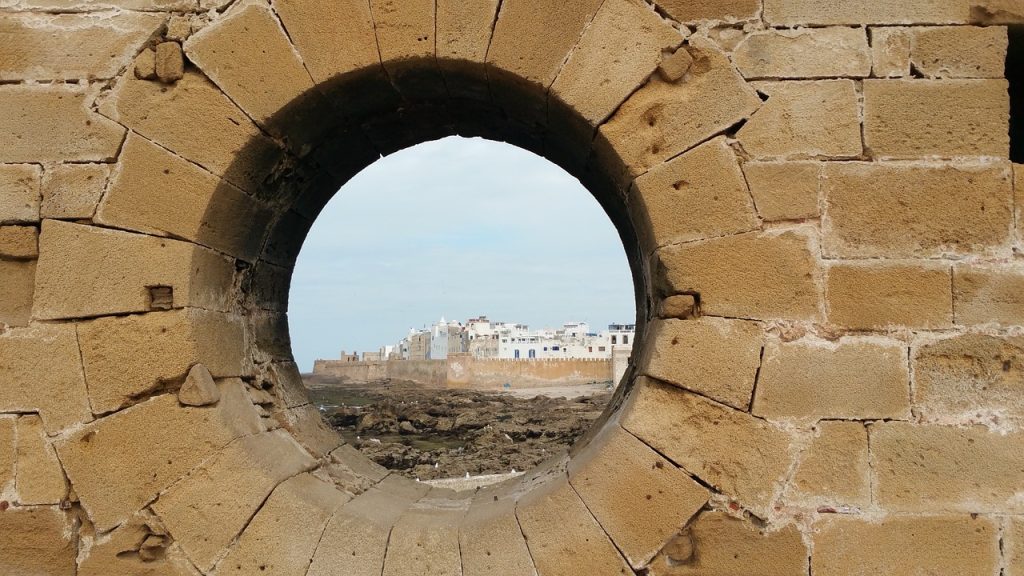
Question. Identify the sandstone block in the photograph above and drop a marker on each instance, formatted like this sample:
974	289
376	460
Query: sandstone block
16	292
805	119
463	31
335	39
53	123
156	192
490	540
40	478
784	190
675	65
426	539
77	278
248	55
620	48
199	388
719	545
681	306
169	64
19	193
714	357
133	549
37	541
357	535
127	358
662	119
206	510
896	210
300	508
563	537
971	375
309	428
41	372
869	295
1018	192
1013	544
639	498
906	546
72	191
988	294
145	65
997	12
179	27
834	470
931	468
744	457
406	36
723	10
700	194
8	452
793	12
959	51
890	52
804	53
755	275
90	46
196	121
854	379
915	118
134	450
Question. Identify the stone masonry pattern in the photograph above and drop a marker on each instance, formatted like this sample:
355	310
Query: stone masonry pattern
816	198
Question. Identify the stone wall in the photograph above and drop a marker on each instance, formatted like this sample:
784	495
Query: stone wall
815	196
463	371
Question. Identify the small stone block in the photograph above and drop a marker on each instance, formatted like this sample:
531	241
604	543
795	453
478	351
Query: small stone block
199	388
170	65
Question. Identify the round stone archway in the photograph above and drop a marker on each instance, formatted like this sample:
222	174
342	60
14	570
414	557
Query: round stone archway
823	249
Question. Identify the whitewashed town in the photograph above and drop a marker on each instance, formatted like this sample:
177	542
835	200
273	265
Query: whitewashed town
482	338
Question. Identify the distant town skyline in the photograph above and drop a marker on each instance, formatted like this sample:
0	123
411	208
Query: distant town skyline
460	228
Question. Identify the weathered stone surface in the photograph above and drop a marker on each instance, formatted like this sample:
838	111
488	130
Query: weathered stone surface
8	452
792	12
490	540
617	52
77	278
89	5
971	375
834	470
72	191
145	65
988	294
195	120
156	192
915	118
756	275
890	52
675	65
71	46
426	539
931	468
169	64
744	457
959	51
357	535
463	32
199	388
700	194
40	478
1018	192
249	56
40	371
37	541
724	10
804	53
128	357
662	120
53	123
997	12
854	379
899	210
309	428
299	508
134	450
872	295
906	546
784	190
134	549
639	498
719	545
16	292
19	193
334	39
804	119
206	510
711	356
682	306
1013	546
19	242
563	537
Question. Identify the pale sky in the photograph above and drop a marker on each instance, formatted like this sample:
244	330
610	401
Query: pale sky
455	228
